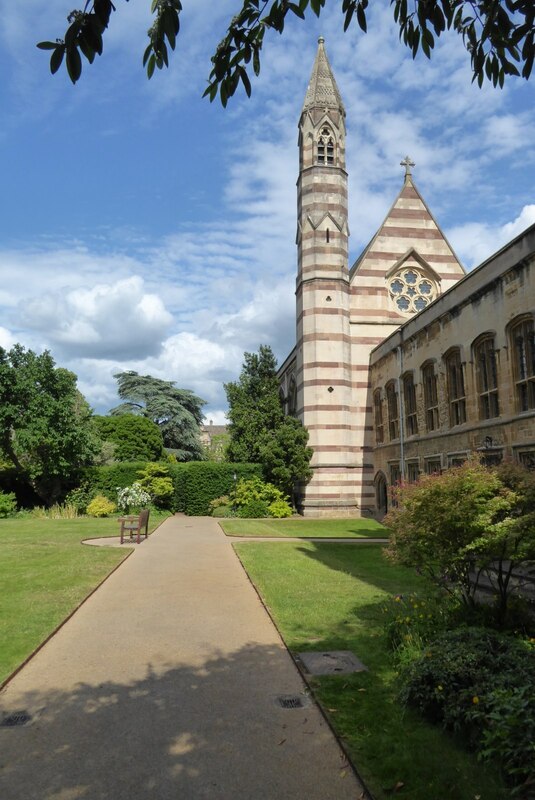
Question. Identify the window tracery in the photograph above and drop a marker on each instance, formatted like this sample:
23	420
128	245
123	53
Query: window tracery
326	146
411	290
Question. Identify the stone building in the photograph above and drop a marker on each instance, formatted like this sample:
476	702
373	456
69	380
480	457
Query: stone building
402	363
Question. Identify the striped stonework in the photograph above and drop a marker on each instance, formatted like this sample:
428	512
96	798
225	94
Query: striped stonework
342	314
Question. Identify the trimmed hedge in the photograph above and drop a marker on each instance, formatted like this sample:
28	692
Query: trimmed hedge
195	483
206	480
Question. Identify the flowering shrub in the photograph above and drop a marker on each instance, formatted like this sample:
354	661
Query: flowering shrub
132	498
413	620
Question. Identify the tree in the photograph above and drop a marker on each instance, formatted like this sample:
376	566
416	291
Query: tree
259	432
462	524
46	428
499	35
177	412
135	438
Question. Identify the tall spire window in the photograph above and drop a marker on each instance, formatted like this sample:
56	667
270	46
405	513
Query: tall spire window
326	146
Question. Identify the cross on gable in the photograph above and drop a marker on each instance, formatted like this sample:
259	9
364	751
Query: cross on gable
407	163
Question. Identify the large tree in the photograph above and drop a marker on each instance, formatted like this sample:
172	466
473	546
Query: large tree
46	430
177	412
135	438
499	35
259	431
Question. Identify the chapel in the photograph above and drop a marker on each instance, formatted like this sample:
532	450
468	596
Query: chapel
403	363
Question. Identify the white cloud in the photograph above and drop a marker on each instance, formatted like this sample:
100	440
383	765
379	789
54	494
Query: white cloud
476	241
118	320
7	339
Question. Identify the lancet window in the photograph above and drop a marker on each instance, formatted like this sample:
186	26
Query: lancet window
326	146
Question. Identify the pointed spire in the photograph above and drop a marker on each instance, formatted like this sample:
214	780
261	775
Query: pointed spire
322	89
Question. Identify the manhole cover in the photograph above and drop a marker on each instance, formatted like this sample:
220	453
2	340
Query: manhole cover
292	701
332	662
15	720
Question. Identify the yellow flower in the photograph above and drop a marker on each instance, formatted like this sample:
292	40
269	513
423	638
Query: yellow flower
475	700
439	688
407	619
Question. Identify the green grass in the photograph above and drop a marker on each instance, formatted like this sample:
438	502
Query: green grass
299	528
45	573
326	596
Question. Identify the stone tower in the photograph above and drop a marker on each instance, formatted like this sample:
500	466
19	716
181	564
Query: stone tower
323	352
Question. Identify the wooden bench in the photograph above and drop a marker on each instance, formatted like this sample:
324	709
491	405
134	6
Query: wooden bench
132	523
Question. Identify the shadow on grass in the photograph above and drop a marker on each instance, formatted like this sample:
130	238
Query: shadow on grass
207	731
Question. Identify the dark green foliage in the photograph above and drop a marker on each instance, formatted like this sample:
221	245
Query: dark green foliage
284	455
499	35
177	412
259	432
254	509
481	685
135	438
254	405
106	480
46	430
178	473
205	481
8	504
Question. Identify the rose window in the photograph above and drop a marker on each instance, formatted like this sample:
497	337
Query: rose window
411	291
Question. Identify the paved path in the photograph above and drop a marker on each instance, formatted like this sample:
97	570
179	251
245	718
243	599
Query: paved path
164	685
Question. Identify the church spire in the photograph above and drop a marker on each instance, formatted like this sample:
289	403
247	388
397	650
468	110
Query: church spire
322	90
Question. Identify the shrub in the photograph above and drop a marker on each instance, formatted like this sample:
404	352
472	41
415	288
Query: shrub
156	481
223	511
280	509
413	620
100	506
132	498
80	497
252	489
8	504
204	480
455	526
106	480
254	509
480	684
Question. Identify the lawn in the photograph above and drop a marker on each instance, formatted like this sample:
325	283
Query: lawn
45	573
300	528
326	596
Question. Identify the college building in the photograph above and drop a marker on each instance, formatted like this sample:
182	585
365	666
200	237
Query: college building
403	364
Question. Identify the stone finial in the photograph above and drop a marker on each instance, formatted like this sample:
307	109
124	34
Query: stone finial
407	163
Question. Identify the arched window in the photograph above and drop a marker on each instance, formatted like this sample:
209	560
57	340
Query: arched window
487	377
409	399
282	399
456	392
325	146
429	380
378	416
523	341
381	493
292	398
393	410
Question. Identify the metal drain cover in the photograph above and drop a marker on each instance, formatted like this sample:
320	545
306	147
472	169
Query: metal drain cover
15	720
290	701
331	662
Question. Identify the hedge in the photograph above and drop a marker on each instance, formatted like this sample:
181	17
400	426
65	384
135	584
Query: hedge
195	483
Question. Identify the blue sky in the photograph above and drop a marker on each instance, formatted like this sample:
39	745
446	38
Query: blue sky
144	228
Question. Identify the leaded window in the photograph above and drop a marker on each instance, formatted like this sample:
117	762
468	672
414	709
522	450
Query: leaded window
456	392
326	146
487	378
524	364
429	380
392	402
378	416
409	399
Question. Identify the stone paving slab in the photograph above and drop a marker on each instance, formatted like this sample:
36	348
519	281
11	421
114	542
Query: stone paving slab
164	685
